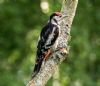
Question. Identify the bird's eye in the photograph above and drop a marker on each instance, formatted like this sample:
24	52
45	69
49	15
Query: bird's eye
60	16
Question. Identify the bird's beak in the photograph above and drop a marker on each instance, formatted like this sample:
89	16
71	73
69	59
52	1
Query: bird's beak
63	16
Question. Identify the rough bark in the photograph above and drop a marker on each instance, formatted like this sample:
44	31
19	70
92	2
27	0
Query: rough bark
49	68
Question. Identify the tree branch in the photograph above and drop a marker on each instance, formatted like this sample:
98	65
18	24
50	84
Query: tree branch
49	68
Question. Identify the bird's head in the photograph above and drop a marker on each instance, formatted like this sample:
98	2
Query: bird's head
55	18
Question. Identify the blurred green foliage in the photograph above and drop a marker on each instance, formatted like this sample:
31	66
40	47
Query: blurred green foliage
20	25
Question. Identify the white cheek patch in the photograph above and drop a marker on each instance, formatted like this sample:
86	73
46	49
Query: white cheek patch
53	22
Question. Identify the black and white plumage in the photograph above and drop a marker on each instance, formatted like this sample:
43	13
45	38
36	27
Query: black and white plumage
48	40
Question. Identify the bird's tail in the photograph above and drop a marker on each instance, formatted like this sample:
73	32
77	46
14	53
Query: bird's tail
37	67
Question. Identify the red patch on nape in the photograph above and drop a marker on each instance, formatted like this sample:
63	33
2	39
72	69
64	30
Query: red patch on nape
58	13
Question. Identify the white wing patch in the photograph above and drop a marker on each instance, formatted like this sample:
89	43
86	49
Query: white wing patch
51	36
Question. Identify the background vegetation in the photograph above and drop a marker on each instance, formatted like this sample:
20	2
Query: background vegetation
20	25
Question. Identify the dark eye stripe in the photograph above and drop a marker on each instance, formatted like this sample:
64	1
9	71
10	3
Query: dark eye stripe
55	20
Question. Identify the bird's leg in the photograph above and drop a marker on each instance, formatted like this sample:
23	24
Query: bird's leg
63	51
47	54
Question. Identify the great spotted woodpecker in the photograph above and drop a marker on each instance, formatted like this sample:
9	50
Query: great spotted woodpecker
48	40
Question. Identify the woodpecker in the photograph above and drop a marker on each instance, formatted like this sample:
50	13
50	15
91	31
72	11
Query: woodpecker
48	42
